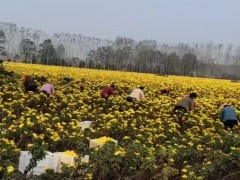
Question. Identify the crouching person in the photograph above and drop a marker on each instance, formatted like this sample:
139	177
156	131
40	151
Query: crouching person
186	104
67	79
228	117
29	84
165	91
47	89
107	92
136	94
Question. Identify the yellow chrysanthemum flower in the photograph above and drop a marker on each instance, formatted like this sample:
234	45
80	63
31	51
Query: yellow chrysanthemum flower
10	169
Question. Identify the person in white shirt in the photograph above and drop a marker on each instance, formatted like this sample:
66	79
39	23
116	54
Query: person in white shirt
136	94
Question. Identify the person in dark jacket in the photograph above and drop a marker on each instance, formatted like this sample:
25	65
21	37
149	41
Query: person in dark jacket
228	117
29	84
165	91
67	79
107	91
186	104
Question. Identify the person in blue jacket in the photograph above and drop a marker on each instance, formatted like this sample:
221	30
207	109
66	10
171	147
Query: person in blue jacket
228	117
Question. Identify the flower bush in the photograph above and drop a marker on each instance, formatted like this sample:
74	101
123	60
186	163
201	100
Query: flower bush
152	143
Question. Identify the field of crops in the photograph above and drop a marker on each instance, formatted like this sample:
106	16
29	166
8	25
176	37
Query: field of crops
151	142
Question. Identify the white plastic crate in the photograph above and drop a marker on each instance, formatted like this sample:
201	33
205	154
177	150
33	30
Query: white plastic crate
50	161
85	124
68	160
24	160
62	158
94	143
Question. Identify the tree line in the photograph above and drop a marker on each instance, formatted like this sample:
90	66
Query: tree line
125	55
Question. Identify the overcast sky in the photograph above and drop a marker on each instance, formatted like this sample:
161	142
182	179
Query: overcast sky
170	21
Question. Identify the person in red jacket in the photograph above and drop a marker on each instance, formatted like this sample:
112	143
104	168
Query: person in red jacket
107	91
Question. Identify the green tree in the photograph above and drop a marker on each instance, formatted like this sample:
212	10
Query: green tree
172	64
145	54
91	59
101	58
81	64
74	61
47	53
16	57
2	43
34	59
105	56
28	48
60	53
189	64
122	42
123	58
150	61
146	45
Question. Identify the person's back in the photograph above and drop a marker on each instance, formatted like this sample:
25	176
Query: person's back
228	113
107	91
137	94
186	102
228	116
47	88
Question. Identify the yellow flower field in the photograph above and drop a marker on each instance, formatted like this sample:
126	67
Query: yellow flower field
151	142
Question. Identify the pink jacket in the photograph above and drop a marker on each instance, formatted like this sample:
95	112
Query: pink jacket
48	88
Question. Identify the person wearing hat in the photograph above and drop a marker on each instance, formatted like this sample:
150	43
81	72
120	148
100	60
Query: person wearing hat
107	91
29	84
136	94
228	116
186	104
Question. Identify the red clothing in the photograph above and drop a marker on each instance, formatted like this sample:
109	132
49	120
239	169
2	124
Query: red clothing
26	77
106	92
